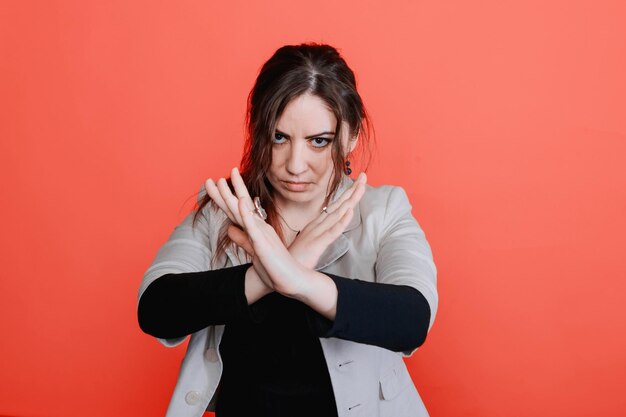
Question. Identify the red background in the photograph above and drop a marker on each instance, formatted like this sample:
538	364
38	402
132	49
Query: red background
504	121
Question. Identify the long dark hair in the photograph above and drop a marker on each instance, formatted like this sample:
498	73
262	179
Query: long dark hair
293	70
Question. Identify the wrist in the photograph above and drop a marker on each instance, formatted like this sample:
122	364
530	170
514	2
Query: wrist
320	293
255	288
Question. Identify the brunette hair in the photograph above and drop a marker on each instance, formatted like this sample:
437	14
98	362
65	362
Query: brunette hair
293	70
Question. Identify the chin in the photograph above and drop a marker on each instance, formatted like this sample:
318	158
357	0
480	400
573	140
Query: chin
299	197
295	197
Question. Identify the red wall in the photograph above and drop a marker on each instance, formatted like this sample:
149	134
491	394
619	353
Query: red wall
504	121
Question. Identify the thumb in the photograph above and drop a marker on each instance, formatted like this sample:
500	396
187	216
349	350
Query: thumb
240	238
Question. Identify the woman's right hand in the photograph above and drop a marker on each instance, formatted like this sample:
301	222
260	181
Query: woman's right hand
313	240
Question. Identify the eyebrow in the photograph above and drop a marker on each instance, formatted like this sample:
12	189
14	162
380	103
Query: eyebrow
307	137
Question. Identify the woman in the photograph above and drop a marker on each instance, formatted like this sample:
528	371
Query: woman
302	289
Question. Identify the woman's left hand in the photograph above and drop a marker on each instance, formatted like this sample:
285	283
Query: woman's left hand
279	270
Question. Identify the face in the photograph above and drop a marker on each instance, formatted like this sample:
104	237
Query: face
302	165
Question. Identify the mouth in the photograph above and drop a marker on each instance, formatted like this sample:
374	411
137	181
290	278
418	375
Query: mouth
296	186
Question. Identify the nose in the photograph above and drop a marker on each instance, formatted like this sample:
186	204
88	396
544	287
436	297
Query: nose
297	159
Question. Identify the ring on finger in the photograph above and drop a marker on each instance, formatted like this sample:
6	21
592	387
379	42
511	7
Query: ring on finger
258	209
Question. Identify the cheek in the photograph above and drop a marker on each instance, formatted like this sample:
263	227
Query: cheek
276	160
324	165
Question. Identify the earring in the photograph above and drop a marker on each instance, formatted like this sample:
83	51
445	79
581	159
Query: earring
348	171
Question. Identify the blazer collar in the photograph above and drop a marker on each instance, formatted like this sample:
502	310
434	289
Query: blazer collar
335	250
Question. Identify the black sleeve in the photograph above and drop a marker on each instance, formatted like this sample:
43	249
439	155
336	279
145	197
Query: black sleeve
394	317
176	305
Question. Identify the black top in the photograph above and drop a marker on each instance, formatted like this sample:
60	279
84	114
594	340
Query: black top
272	357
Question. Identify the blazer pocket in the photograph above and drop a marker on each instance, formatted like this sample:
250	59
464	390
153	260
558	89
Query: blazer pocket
393	382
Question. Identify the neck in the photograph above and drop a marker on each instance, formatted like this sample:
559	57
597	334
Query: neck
288	237
296	219
297	215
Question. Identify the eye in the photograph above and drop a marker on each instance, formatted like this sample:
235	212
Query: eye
320	142
278	139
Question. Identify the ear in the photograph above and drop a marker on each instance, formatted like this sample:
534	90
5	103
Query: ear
353	142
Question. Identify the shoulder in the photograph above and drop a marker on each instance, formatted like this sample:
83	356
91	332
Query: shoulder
384	199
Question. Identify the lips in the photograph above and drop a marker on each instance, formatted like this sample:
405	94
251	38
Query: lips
296	186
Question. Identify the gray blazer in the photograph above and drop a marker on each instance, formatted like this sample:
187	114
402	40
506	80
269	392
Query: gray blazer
383	243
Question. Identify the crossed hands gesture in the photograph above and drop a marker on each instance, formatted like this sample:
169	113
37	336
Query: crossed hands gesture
282	269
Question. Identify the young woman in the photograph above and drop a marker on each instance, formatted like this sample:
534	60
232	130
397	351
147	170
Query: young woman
301	288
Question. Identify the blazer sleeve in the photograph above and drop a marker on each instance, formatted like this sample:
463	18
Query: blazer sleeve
186	250
404	255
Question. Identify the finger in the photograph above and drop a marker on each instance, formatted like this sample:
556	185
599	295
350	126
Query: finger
328	221
240	187
343	197
352	196
361	179
249	219
339	227
357	194
246	204
229	199
333	231
241	239
335	220
216	196
333	217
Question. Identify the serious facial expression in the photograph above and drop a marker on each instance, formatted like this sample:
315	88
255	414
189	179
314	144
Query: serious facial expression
302	164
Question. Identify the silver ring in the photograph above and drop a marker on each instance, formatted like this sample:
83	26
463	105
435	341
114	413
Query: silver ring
258	209
324	210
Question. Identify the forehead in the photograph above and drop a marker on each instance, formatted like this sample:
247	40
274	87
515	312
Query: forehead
305	113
